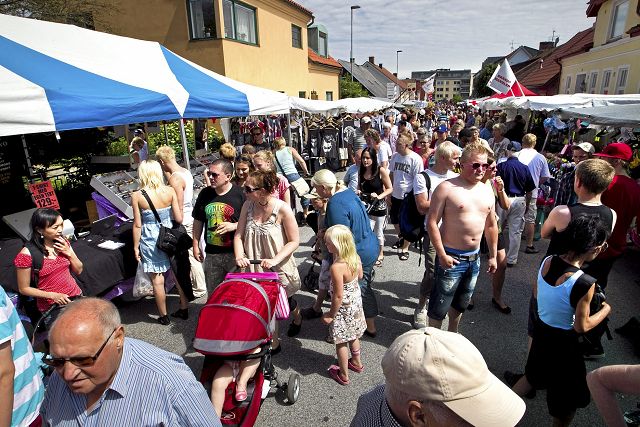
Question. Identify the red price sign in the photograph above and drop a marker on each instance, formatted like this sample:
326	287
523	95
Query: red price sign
43	195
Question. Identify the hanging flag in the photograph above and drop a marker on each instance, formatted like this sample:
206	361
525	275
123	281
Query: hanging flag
428	85
502	78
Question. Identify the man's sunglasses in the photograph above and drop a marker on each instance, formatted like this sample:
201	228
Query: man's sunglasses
248	189
81	362
479	165
213	175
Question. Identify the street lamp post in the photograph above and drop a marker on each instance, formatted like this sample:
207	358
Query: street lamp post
351	54
397	52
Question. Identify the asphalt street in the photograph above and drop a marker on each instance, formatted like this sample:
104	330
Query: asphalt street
501	338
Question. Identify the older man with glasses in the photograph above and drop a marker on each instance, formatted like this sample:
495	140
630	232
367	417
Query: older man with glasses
217	211
103	378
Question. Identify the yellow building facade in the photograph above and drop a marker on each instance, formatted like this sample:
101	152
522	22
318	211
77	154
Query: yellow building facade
612	65
259	42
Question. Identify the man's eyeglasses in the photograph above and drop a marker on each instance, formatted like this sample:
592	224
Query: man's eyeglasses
81	362
479	165
248	189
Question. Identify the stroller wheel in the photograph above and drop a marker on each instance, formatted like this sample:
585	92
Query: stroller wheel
293	388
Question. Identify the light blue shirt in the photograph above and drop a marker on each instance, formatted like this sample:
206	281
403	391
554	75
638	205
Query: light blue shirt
28	389
152	387
554	302
350	178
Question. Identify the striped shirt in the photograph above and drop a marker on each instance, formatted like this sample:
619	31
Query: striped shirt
152	387
28	389
373	410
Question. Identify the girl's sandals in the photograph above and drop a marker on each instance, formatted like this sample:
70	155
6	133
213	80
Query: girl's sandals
334	372
404	256
354	368
379	262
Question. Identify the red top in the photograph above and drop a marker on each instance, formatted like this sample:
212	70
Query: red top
623	196
55	276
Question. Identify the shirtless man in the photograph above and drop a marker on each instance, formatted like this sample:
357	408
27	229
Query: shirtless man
466	208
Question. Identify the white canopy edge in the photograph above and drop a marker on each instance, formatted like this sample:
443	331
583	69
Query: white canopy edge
550	103
346	105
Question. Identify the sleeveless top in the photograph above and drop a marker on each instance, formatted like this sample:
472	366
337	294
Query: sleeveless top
263	240
557	244
285	164
187	199
374	185
554	302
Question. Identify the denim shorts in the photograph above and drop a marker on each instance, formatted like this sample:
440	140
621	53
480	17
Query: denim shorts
453	287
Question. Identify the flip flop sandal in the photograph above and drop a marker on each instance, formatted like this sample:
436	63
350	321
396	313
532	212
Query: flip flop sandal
404	256
379	262
334	372
354	368
398	244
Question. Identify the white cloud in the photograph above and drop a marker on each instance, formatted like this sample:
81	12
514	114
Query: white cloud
436	34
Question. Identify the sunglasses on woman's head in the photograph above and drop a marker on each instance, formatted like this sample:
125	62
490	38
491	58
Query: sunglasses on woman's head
250	189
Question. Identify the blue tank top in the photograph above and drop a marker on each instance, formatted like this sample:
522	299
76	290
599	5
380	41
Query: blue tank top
554	302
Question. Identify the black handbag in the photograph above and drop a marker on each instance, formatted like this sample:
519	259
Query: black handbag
170	240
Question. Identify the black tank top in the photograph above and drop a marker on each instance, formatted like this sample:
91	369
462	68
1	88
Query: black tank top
558	243
373	185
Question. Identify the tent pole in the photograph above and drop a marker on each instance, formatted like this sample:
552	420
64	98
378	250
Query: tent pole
289	128
166	135
27	156
546	139
185	150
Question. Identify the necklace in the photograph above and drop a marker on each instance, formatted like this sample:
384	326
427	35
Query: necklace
263	204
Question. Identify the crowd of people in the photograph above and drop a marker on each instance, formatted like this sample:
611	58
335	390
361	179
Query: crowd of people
470	194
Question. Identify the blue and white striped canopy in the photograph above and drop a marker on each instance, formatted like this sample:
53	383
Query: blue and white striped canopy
60	77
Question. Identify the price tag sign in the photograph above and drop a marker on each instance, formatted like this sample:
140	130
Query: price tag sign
43	195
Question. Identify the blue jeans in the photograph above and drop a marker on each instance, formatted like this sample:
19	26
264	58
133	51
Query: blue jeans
369	302
453	287
303	200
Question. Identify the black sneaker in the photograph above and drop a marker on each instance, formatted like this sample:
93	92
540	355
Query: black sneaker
164	320
531	250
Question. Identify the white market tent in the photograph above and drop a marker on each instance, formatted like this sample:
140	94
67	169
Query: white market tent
550	103
613	115
345	105
58	77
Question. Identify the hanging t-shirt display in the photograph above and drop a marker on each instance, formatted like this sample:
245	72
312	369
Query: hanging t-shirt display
330	143
348	129
313	143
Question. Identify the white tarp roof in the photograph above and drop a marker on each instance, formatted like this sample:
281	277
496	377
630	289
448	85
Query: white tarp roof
550	103
612	115
346	105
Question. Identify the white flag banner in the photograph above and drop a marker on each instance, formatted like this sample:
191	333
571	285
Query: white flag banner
502	78
428	85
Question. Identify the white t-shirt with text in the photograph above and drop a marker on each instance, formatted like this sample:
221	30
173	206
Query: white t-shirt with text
404	170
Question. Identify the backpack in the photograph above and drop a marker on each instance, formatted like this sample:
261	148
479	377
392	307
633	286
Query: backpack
411	221
28	304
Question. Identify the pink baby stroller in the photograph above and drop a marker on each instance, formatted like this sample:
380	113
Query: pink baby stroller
238	318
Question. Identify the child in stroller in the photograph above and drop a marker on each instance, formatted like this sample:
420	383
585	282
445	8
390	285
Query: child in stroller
234	333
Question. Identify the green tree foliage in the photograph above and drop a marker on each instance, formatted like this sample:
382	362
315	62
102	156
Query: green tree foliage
351	89
82	13
456	98
481	79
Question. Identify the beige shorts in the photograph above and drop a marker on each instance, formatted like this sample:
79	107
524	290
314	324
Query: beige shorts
530	215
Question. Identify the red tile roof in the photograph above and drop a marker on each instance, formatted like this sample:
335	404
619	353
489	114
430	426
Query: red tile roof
314	57
299	6
593	7
533	76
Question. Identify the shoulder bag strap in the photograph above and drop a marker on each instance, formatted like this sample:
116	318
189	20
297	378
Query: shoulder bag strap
153	208
37	260
281	168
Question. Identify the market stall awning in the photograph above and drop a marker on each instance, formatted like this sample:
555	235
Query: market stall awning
550	103
612	115
60	77
345	105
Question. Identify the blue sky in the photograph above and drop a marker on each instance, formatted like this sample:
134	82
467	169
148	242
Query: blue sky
444	34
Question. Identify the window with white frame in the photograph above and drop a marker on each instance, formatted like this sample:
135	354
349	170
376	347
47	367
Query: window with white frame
618	19
239	22
201	19
606	81
567	84
593	79
621	82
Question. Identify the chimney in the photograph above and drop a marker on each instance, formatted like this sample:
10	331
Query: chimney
395	75
372	60
546	46
380	65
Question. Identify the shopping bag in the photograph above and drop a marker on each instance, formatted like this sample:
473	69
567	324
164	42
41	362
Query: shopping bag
142	286
282	304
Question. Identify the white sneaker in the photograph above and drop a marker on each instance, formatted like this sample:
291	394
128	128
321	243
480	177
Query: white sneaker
420	318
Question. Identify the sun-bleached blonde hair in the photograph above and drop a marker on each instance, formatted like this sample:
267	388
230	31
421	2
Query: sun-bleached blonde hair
150	175
342	238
